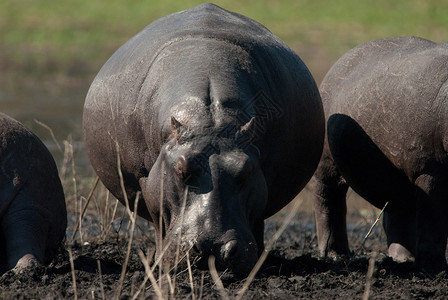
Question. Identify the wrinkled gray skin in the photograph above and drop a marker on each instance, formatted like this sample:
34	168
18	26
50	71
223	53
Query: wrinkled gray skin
33	216
181	101
386	104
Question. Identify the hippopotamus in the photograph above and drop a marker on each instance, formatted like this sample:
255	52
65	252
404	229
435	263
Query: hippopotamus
386	108
33	216
214	122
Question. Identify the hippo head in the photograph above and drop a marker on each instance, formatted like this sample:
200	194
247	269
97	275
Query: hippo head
206	194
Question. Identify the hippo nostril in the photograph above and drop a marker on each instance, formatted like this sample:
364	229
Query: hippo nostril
196	250
229	250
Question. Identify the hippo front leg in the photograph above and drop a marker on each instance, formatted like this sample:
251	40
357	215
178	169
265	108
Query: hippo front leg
432	223
330	211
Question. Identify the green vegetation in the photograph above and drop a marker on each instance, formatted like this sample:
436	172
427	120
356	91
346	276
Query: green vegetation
55	35
50	50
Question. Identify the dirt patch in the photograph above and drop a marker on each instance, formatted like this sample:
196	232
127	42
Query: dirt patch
292	270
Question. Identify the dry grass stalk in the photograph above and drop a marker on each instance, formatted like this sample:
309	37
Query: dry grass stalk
128	252
69	156
51	133
106	213
64	167
141	287
150	274
112	217
85	207
145	260
160	249
160	235
170	282
373	225
179	239
190	276
72	266
160	257
370	271
123	188
104	210
201	289
101	279
132	216
164	274
268	247
215	277
69	145
151	269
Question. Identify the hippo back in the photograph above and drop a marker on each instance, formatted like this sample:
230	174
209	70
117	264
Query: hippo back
404	92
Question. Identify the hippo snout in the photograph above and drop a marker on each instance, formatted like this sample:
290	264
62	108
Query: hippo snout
229	251
235	256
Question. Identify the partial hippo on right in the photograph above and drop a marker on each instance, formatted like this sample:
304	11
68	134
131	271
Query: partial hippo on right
33	216
386	106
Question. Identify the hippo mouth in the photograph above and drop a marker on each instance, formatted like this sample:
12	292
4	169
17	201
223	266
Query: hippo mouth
234	257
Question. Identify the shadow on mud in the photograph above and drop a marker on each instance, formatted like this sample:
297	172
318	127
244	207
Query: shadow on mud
306	264
90	265
276	264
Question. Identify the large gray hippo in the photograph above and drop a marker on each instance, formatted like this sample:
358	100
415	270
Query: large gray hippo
33	216
386	104
217	122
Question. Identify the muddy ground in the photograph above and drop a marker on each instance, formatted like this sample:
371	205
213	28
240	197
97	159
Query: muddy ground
291	271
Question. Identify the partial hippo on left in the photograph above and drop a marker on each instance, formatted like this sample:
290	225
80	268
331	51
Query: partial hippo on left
33	216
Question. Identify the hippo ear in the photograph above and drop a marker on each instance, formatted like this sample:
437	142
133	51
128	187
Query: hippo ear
249	128
175	126
247	131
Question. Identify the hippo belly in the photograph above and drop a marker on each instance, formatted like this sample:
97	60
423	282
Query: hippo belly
386	108
215	122
33	215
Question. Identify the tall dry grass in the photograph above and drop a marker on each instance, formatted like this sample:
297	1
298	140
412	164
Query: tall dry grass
104	207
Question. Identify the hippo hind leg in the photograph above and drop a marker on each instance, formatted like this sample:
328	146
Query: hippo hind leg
330	210
432	223
375	178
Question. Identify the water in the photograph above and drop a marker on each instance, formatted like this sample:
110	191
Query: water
92	226
56	101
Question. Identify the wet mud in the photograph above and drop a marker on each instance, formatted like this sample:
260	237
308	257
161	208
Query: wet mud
292	270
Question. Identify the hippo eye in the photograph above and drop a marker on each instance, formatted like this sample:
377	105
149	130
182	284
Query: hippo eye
187	170
181	168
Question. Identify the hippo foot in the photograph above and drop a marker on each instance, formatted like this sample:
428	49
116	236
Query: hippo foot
400	254
335	256
26	263
27	268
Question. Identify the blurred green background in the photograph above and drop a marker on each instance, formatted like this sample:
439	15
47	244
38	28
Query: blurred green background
51	50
